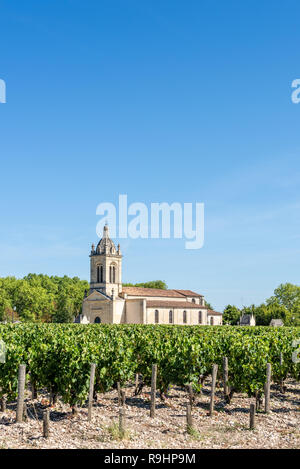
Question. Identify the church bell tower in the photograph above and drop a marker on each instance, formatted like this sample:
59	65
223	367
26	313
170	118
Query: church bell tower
106	266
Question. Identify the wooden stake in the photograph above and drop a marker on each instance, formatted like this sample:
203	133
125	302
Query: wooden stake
33	392
136	382
225	377
267	389
46	419
281	381
189	418
213	389
119	393
123	397
153	390
121	422
3	404
21	390
191	394
252	416
91	391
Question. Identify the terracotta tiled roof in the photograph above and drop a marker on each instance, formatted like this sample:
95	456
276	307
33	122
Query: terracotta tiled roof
188	293
211	312
173	304
139	291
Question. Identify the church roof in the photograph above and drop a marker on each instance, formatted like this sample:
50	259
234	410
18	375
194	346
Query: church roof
211	312
173	304
140	291
188	293
106	245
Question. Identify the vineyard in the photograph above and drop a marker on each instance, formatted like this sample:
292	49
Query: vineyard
58	359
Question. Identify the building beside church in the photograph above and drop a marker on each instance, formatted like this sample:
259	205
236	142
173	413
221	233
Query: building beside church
247	320
108	302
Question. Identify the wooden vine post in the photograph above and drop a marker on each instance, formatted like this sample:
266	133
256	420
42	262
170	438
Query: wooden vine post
225	377
46	420
21	391
3	404
191	394
281	381
252	416
91	391
189	419
123	397
121	422
267	388
119	393
213	389
153	390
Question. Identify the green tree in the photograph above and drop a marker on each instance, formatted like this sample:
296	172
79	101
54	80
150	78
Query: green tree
152	284
231	315
287	295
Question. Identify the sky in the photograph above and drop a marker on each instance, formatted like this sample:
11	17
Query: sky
165	101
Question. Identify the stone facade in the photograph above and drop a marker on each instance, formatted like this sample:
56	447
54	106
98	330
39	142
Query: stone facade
108	302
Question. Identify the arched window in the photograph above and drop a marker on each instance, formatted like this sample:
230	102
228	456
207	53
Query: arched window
170	317
97	320
184	317
193	300
156	316
112	274
212	321
100	274
200	317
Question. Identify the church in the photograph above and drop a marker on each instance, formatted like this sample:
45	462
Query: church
108	302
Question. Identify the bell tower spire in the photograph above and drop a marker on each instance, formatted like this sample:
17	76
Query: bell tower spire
106	266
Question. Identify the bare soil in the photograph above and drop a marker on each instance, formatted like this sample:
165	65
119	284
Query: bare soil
227	428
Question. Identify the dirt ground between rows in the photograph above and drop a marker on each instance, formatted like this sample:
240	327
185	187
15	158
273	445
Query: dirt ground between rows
228	428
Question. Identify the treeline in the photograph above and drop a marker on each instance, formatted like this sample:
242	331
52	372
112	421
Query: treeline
152	284
284	304
40	298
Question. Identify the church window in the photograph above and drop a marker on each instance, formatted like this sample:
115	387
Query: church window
156	316
193	300
184	317
112	274
170	317
212	321
100	274
97	320
200	317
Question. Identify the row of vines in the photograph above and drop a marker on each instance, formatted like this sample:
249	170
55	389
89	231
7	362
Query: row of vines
58	357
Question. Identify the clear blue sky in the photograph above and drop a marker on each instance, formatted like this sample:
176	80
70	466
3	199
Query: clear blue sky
164	101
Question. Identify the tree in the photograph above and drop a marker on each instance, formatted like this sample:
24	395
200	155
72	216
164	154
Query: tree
38	297
152	284
231	315
287	295
208	305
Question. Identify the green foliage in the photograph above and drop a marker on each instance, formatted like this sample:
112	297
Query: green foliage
287	296
284	304
58	356
152	284
231	315
40	298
